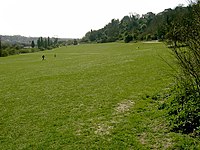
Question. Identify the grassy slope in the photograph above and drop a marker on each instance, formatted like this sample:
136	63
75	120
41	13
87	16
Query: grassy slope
89	96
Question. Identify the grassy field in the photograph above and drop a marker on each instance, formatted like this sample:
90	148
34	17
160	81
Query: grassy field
88	97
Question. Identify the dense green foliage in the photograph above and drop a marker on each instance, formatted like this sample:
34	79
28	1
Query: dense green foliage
146	27
32	44
13	48
47	43
184	108
93	96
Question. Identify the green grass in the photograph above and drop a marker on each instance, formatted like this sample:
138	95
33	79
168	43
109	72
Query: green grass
88	97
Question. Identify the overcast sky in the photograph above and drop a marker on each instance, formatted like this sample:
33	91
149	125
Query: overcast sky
70	18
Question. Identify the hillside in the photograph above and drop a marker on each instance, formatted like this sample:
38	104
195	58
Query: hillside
149	26
23	40
18	39
97	96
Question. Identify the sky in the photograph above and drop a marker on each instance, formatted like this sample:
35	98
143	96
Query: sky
70	18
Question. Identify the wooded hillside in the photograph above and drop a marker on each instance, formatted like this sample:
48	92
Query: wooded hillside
134	27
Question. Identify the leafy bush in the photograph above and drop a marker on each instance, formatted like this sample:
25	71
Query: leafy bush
128	38
24	51
34	50
4	53
184	109
148	37
184	106
12	51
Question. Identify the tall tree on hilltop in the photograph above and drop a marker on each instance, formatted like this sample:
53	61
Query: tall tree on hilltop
40	43
32	44
48	41
45	43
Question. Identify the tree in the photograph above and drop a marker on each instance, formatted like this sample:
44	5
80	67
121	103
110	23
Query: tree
49	41
45	43
148	37
184	107
128	38
75	42
164	25
32	44
39	43
92	36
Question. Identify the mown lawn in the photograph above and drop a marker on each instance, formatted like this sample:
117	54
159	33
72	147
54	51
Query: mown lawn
88	97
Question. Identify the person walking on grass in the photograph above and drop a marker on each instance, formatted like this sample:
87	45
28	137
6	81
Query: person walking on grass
43	57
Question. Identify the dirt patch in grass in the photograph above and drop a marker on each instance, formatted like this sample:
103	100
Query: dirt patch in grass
124	106
103	129
155	141
143	138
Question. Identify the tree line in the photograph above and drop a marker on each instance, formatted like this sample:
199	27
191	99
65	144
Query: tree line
9	48
134	27
46	43
184	103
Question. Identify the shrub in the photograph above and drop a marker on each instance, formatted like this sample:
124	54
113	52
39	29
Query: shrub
12	51
128	38
24	51
184	106
4	53
148	37
184	109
